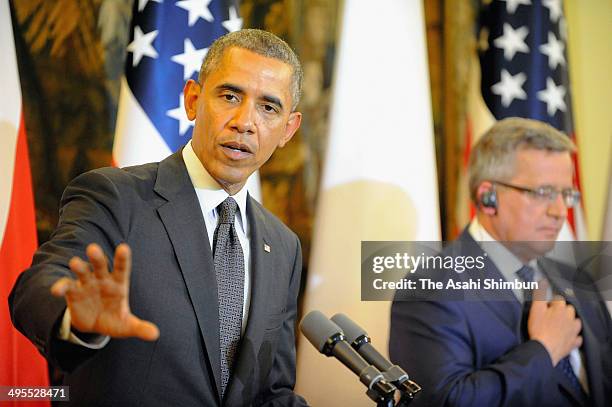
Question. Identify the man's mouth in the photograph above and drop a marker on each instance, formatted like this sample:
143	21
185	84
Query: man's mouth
238	147
550	230
236	151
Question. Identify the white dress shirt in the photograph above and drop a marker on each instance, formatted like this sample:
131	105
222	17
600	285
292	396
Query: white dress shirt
508	264
210	194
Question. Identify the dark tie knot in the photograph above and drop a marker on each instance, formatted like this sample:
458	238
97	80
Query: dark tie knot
227	210
526	273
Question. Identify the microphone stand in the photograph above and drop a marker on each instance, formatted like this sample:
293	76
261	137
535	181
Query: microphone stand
382	393
408	389
393	374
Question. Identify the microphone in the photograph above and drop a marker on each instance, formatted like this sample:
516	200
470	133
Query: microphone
329	339
360	341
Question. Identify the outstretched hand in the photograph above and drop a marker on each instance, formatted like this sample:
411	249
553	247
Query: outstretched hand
99	301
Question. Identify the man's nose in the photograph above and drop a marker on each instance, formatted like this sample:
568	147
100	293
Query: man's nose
244	118
557	208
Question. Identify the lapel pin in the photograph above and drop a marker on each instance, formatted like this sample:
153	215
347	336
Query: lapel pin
569	292
267	248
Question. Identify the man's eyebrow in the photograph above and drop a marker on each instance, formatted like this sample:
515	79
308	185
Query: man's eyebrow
230	87
273	99
237	89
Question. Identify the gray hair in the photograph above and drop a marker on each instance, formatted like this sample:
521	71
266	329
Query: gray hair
260	42
493	156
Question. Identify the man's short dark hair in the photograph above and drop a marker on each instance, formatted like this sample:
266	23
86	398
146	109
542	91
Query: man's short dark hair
260	42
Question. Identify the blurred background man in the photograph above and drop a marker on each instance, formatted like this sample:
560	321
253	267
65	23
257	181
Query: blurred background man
505	349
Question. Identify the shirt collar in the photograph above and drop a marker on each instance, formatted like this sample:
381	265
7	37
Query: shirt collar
211	193
506	262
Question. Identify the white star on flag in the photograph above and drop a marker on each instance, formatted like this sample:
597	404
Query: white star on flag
233	23
143	3
510	87
554	9
553	96
196	9
511	5
180	115
553	50
512	41
191	58
142	45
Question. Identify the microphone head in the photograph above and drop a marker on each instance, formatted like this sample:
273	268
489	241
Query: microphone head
318	329
351	330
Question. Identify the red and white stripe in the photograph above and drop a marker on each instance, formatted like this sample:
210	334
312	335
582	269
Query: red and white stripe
137	141
20	363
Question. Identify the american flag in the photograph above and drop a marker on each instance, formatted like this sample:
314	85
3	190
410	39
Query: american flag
168	41
524	66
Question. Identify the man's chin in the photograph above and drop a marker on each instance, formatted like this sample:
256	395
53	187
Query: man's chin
548	235
531	249
231	176
544	245
539	248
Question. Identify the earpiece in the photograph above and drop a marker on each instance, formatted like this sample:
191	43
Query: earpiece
488	199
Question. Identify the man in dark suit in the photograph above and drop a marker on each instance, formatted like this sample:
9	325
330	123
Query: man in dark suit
515	346
180	243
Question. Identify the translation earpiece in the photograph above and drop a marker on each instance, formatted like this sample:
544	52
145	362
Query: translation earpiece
488	199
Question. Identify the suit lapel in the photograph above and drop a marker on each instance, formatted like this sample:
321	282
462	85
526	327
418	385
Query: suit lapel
182	218
262	272
592	358
243	383
562	285
503	303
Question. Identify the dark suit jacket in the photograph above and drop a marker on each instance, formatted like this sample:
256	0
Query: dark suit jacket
155	210
471	352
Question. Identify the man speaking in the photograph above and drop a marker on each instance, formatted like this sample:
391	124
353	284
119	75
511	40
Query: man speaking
188	295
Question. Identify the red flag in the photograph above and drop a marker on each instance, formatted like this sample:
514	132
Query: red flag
20	363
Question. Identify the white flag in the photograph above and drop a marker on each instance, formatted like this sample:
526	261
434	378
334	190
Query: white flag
379	180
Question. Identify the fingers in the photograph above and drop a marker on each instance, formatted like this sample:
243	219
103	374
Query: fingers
123	263
62	286
67	287
144	330
578	342
570	310
80	268
541	293
557	300
98	260
538	308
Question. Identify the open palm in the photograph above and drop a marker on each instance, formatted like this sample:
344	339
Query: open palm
99	301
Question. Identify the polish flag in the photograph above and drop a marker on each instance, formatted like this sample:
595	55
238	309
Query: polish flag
20	363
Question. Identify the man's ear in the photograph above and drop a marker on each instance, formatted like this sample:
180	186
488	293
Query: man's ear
191	93
293	124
